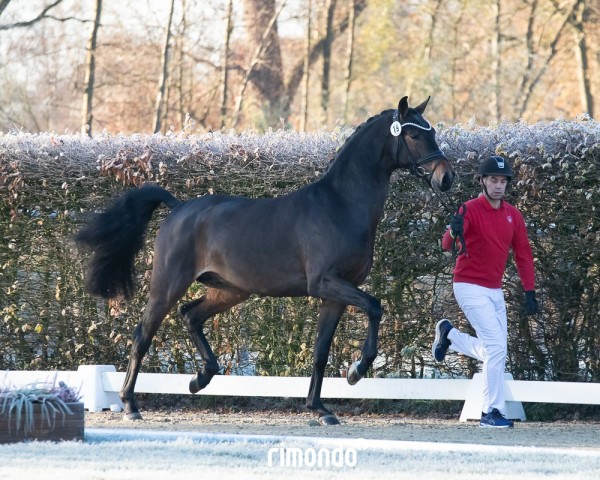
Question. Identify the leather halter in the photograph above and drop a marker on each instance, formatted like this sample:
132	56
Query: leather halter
416	165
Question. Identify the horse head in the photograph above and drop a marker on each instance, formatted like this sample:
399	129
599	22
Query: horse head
416	149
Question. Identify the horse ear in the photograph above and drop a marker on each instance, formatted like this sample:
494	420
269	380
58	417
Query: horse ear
403	106
421	108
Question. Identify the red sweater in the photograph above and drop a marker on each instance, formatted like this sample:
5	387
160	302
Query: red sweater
489	235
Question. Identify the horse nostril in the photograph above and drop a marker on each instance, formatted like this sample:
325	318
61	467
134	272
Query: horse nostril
447	181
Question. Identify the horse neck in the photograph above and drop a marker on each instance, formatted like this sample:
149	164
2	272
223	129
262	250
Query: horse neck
358	174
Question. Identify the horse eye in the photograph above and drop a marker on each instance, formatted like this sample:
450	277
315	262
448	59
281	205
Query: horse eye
414	134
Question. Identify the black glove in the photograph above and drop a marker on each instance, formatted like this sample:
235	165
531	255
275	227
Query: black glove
456	226
531	304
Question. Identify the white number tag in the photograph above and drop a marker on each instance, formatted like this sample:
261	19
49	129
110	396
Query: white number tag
396	128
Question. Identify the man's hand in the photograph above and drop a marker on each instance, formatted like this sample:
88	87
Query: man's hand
531	304
456	226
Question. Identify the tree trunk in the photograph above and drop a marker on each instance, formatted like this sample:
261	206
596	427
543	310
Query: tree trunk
497	61
224	63
316	51
349	55
305	83
254	65
266	74
329	12
434	18
580	14
414	75
162	82
531	52
456	59
90	73
3	5
179	86
540	74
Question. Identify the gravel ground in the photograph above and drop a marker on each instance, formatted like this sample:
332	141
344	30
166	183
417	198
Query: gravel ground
561	434
234	441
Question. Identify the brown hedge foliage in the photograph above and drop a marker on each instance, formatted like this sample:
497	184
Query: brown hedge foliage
50	183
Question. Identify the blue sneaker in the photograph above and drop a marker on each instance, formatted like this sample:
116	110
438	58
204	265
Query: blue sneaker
495	419
441	342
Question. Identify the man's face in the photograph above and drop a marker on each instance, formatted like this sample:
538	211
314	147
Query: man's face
495	186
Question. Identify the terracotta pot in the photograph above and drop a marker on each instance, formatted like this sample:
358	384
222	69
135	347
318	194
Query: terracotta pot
64	426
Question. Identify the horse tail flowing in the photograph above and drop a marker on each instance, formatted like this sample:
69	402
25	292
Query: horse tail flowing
115	236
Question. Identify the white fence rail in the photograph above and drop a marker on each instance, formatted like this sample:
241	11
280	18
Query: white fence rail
100	383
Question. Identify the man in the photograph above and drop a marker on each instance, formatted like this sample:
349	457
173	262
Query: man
489	228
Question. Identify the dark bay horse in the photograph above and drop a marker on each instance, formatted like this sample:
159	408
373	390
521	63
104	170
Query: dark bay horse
316	241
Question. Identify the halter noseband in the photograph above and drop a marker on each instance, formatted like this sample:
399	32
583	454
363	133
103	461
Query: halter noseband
415	165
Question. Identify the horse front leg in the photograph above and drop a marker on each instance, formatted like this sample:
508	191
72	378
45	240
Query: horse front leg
329	317
343	291
359	368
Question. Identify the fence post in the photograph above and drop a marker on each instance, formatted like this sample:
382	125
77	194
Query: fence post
472	406
95	399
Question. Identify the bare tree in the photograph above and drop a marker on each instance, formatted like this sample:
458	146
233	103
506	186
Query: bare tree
179	86
162	82
90	73
305	83
578	20
225	62
439	46
349	54
530	50
434	19
41	16
3	5
256	56
553	51
266	73
497	60
316	52
327	45
456	58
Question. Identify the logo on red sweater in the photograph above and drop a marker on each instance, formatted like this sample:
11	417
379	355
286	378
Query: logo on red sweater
509	218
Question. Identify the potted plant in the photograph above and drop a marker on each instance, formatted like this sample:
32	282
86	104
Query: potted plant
41	411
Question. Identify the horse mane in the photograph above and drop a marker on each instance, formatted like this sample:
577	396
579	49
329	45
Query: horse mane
356	131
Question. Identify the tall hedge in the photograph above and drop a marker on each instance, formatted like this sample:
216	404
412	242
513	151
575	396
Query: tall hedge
49	184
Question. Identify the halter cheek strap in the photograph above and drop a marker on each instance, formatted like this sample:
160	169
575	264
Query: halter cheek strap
415	166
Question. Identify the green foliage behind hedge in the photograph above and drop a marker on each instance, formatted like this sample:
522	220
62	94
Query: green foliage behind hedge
50	183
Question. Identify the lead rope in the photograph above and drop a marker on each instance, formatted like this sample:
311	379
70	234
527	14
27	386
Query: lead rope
459	245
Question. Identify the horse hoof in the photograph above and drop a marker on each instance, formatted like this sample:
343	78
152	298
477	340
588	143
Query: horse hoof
133	416
195	386
353	376
329	420
199	382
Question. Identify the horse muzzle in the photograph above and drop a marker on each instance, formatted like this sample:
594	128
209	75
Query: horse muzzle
442	176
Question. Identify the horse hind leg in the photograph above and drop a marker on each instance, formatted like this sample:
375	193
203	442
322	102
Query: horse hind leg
166	287
154	313
196	313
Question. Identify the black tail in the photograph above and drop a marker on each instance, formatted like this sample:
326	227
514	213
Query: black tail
116	236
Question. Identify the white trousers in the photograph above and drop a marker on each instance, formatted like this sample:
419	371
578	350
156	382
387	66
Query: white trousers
485	310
